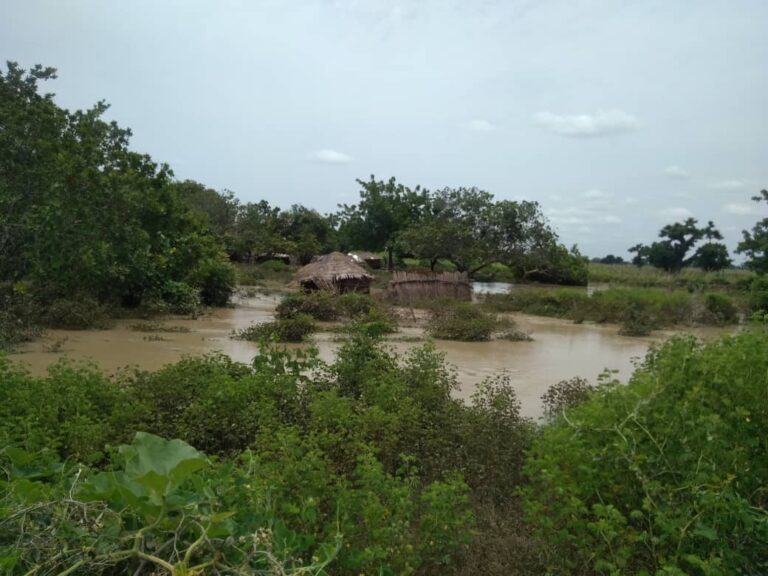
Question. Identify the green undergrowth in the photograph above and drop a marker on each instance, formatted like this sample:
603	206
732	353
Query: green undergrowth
369	465
467	322
666	475
294	329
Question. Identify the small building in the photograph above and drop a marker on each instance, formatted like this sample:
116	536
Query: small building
423	284
370	259
335	272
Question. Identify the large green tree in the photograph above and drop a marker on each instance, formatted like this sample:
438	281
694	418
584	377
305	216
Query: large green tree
672	252
755	243
81	213
467	227
385	209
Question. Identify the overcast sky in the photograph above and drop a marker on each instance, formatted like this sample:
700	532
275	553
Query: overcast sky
617	116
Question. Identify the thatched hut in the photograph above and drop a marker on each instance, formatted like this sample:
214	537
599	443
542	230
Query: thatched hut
336	272
423	284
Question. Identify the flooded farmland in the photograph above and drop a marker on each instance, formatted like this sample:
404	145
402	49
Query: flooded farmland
560	349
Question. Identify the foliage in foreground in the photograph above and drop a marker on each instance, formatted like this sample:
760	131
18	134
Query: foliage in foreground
666	475
368	462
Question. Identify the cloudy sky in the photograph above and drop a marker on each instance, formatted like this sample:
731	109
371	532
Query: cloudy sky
617	116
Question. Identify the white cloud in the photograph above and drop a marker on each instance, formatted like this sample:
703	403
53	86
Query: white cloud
675	212
597	195
675	171
630	200
739	209
573	217
329	156
728	185
479	125
602	123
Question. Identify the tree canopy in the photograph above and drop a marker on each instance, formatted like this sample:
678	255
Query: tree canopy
678	239
755	243
81	213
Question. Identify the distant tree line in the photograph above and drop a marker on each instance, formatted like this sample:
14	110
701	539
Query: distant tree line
681	245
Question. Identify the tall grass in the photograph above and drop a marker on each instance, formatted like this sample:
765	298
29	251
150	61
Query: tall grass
648	276
638	309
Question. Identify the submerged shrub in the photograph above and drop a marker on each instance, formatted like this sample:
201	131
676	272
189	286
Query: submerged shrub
283	330
566	394
215	279
461	321
320	305
665	475
174	298
78	313
21	316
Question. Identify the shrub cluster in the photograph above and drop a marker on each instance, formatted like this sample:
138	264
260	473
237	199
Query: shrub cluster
638	310
454	320
367	465
293	329
666	475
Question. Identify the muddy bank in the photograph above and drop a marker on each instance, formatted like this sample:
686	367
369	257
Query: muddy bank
560	349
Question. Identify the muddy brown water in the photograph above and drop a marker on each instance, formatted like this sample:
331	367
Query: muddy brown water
560	349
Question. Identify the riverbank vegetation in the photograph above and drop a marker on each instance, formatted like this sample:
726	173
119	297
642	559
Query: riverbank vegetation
369	465
638	310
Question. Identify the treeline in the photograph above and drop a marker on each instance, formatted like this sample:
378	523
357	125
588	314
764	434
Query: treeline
465	227
684	244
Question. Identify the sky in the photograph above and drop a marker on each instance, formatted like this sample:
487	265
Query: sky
618	117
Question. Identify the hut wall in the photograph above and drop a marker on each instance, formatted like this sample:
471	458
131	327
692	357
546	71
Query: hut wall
415	285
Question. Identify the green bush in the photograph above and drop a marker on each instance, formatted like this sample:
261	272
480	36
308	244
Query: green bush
665	475
758	294
78	313
293	329
21	317
720	309
174	298
320	305
461	321
215	279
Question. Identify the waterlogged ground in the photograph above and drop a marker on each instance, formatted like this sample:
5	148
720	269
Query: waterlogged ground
560	349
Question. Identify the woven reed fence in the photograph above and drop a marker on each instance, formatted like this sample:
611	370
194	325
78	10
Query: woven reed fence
413	285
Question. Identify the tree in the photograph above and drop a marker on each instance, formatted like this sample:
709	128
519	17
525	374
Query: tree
755	243
81	214
471	230
671	253
306	232
385	209
712	256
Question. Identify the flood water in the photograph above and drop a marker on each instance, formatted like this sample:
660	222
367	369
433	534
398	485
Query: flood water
560	349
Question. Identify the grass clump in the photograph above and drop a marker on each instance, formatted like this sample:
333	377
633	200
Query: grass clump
294	329
320	305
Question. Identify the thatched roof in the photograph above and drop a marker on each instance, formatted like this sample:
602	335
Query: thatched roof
330	269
